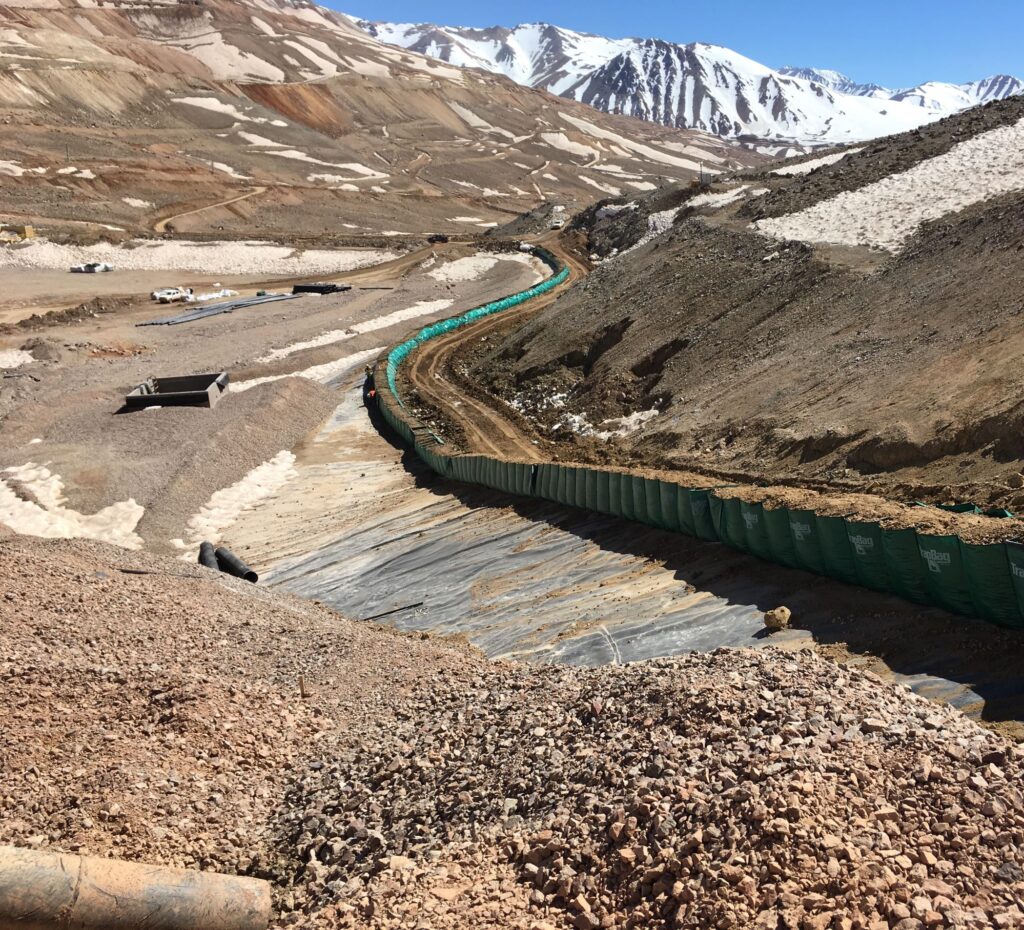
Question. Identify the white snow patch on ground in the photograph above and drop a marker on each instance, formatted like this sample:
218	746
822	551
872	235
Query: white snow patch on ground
623	426
201	257
807	167
325	373
136	202
226	61
228	109
469	268
642	185
48	516
15	358
343	183
422	308
717	200
883	215
261	141
227	169
559	140
11	169
467	219
353	167
637	148
604	188
226	505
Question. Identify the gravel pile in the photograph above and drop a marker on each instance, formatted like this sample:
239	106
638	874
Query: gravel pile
737	789
153	711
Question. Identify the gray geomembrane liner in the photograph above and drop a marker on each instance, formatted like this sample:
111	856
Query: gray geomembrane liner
535	581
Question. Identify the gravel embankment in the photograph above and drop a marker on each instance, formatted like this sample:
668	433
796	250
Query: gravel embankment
157	717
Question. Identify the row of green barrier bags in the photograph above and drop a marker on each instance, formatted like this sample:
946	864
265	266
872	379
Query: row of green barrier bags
976	580
398	354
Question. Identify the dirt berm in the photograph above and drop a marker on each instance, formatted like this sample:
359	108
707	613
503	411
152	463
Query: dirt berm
759	360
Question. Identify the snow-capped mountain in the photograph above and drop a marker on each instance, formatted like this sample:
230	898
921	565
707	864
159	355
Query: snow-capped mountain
696	86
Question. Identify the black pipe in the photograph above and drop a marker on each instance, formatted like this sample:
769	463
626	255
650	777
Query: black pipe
230	563
208	556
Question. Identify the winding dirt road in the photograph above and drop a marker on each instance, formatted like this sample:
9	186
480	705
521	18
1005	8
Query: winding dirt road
161	225
484	428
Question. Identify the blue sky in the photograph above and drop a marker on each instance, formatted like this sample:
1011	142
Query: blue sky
898	43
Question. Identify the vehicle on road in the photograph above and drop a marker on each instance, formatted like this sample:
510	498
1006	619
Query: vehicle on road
91	268
437	237
557	223
172	295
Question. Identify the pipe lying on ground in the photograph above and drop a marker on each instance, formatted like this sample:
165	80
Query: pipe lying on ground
208	556
58	891
228	562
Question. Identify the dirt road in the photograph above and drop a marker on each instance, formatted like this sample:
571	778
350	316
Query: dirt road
161	225
483	428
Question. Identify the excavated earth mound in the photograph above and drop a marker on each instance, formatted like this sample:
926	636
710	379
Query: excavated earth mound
152	711
715	349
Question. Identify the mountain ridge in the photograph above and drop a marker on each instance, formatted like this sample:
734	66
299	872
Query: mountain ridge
695	86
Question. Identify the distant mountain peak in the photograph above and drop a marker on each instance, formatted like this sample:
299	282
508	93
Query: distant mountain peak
697	85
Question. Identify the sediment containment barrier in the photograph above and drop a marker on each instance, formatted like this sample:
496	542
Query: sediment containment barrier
977	580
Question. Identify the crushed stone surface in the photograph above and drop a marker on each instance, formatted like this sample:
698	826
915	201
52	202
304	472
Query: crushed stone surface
152	712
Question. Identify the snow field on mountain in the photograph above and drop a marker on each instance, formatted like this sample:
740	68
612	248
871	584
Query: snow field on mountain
808	166
885	214
200	257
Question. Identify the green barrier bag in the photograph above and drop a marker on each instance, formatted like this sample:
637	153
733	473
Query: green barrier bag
626	507
716	507
780	536
868	556
520	478
835	549
545	477
669	512
640	512
991	584
603	492
583	488
904	565
615	493
1015	557
946	578
756	530
684	511
652	495
803	526
960	508
561	473
735	525
701	507
591	495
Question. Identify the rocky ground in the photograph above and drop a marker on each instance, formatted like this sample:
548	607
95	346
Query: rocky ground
153	711
756	360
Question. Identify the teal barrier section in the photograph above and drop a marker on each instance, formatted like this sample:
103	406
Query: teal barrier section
835	548
990	582
904	566
972	579
803	525
756	530
780	537
701	508
669	493
945	577
867	555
